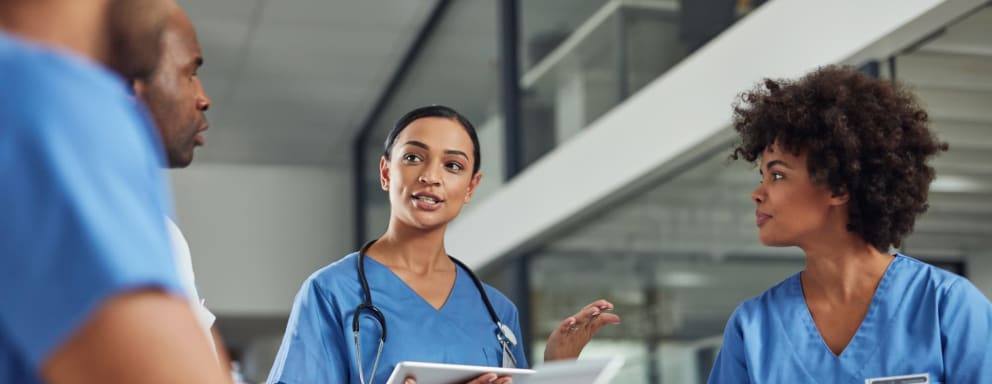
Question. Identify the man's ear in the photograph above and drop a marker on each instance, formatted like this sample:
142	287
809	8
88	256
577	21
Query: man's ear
476	179
139	88
384	173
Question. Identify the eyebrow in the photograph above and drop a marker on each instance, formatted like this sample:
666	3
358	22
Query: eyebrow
417	144
447	152
776	162
457	153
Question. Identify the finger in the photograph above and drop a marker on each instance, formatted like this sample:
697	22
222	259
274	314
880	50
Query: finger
607	318
567	324
603	305
604	319
410	380
504	380
588	314
485	378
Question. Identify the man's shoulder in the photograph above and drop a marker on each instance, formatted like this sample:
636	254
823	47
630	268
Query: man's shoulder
52	100
39	79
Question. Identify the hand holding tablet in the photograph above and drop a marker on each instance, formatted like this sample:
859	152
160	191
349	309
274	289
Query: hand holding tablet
587	371
428	373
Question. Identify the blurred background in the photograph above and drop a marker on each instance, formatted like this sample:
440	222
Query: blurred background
605	135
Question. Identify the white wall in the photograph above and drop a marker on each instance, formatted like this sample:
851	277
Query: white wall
651	132
256	232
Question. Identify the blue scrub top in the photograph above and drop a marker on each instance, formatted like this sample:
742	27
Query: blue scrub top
922	319
82	201
318	346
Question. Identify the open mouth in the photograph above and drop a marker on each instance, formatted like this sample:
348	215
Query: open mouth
427	199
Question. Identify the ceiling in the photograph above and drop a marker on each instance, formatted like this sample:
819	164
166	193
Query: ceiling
292	80
459	64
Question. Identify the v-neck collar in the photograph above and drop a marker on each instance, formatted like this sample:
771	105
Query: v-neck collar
866	339
387	273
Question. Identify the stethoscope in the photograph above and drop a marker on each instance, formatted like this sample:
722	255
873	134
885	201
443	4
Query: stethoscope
504	335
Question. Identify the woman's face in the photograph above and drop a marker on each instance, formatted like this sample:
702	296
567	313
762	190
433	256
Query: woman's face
791	209
429	173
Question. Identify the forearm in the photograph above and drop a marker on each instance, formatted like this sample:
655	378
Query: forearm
142	336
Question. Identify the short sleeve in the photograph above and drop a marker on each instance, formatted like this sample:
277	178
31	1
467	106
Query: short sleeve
730	366
313	348
966	334
83	202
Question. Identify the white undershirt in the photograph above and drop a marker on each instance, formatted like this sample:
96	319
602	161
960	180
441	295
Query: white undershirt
184	265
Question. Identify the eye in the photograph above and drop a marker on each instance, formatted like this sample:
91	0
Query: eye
454	166
411	158
777	176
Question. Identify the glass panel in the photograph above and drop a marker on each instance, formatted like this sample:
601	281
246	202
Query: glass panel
952	75
618	49
675	259
545	24
457	67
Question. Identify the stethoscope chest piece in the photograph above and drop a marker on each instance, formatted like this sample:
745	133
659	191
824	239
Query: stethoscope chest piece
508	334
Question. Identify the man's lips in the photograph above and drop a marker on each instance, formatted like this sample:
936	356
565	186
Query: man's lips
200	139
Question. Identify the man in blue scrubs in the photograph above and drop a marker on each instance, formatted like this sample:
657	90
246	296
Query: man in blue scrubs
88	289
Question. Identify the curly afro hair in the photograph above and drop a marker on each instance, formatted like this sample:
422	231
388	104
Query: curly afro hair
863	136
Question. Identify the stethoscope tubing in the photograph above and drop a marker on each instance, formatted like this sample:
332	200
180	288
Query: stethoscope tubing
367	305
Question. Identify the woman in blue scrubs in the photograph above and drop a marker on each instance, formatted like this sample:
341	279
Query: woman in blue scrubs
419	302
844	174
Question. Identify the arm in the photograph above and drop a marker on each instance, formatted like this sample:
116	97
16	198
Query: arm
730	366
88	293
966	334
143	336
314	347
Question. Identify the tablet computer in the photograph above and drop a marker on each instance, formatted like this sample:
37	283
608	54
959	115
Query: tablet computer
438	373
584	371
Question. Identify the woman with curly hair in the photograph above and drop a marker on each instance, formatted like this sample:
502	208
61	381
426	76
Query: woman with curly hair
844	171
